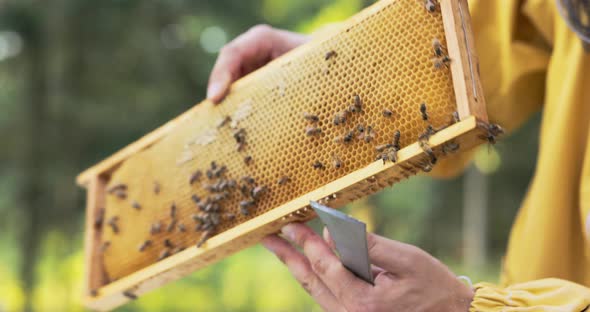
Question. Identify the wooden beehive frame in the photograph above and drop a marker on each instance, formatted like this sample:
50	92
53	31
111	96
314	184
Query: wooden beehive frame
467	132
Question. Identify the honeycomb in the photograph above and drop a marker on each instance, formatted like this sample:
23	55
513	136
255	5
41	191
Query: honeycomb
383	56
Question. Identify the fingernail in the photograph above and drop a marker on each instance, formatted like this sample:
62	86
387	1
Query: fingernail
289	231
214	90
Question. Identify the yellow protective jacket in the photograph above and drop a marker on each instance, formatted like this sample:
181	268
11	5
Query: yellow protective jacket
530	60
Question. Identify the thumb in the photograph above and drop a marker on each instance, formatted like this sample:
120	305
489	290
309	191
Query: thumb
393	256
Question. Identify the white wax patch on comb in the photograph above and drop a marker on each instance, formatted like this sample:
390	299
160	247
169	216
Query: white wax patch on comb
242	112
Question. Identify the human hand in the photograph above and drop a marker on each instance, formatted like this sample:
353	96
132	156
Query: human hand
406	278
246	53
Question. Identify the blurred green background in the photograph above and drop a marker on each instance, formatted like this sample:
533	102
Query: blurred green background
80	79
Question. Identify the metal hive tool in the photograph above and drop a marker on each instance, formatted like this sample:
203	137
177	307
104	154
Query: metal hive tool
380	66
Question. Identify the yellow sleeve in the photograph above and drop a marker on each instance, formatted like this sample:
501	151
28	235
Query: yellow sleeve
513	55
540	295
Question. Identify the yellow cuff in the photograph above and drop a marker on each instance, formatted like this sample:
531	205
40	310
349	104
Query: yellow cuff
541	295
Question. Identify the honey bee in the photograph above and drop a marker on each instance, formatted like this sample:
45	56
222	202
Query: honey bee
360	129
329	55
171	226
430	5
283	180
196	199
113	224
168	243
396	138
440	57
219	197
99	220
223	121
348	136
212	207
203	204
336	162
130	295
173	210
198	218
387	113
207	225
204	238
245	189
493	131
245	205
427	133
369	135
144	245
247	159
340	118
220	186
181	227
456	118
121	194
312	130
210	187
423	112
229	216
392	155
437	47
164	254
258	191
239	136
177	250
426	167
220	171
156	228
215	219
318	165
383	147
428	151
156	187
117	187
311	117
135	205
440	62
248	180
357	106
450	147
105	245
338	139
196	176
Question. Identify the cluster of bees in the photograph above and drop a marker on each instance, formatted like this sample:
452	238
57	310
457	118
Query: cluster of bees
221	189
120	191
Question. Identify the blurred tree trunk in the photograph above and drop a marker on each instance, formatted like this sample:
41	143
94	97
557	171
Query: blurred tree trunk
475	206
33	146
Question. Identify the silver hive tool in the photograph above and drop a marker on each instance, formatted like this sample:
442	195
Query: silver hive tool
350	238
